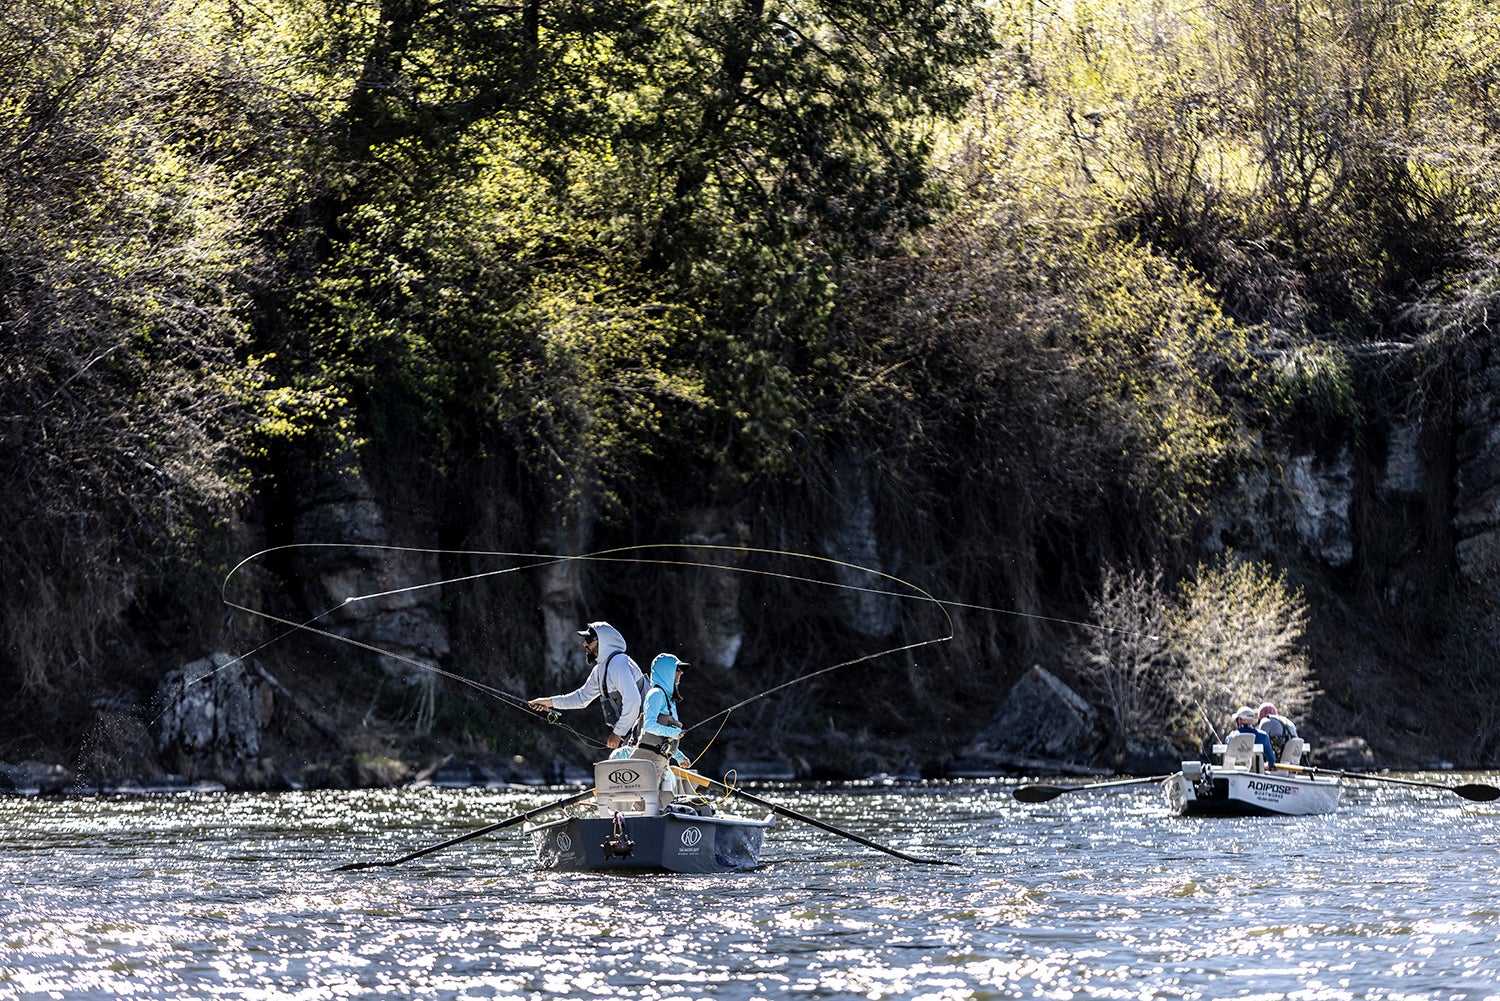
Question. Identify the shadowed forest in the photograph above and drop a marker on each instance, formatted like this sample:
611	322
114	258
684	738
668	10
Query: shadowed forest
1008	300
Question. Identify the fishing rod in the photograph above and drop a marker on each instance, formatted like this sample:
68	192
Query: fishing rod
622	554
633	554
516	702
497	826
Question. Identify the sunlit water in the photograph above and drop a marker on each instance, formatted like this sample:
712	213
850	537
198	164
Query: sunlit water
1091	895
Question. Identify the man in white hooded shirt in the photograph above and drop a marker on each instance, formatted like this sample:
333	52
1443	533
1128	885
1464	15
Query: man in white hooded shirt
614	679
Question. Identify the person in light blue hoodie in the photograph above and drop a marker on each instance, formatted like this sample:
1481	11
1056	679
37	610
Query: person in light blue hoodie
661	728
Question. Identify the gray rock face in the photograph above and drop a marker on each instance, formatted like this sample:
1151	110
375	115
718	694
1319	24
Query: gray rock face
712	597
1347	753
1405	472
367	589
1319	494
211	715
1476	503
1308	504
857	541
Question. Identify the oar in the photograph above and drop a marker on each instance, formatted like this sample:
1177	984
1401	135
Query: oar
1477	791
508	822
700	780
1037	793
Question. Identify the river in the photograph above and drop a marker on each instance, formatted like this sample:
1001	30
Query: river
1091	895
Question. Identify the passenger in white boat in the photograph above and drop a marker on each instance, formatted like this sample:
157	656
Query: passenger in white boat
614	679
1244	722
1277	727
661	728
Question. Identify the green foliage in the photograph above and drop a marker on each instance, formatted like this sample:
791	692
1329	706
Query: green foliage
646	256
1312	391
133	186
1159	348
1316	161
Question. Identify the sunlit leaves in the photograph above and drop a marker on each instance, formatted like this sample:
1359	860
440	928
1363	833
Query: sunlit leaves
1240	628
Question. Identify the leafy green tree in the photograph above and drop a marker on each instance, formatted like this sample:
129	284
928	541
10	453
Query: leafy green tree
135	176
670	190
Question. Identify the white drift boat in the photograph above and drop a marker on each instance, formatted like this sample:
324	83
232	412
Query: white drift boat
630	830
1240	785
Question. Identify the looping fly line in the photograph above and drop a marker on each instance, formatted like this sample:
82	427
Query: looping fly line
623	555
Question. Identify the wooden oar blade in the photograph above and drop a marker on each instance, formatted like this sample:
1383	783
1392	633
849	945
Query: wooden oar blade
1037	793
1478	792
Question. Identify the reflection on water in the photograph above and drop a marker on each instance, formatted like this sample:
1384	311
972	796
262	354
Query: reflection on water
1098	895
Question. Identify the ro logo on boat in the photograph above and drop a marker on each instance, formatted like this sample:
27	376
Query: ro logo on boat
624	776
691	836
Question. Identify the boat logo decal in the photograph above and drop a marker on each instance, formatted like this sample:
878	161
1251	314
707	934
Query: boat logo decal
692	836
564	843
624	776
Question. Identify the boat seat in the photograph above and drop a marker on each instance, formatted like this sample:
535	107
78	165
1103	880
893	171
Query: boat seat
1292	753
628	786
1241	751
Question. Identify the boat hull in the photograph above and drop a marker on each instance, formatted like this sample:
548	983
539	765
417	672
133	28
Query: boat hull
667	842
1204	791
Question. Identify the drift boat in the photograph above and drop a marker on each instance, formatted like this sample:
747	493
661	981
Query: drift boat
631	831
1241	786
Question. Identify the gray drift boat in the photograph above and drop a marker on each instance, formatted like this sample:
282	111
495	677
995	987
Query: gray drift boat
630	831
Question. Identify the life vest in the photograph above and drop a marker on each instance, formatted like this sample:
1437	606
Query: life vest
613	703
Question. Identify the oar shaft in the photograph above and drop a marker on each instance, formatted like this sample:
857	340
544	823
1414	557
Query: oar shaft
1478	791
804	818
500	825
1038	793
1364	778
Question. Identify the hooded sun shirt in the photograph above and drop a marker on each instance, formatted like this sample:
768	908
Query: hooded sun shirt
615	680
660	715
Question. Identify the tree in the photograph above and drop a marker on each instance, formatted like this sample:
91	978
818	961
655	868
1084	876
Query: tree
134	176
1126	657
1238	629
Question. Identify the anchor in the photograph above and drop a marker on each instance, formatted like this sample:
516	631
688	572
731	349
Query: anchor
618	843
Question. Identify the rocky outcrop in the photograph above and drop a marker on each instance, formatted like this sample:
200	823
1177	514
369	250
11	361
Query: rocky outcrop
855	543
1350	754
1306	503
711	597
1476	502
1319	493
211	714
1042	726
33	778
382	597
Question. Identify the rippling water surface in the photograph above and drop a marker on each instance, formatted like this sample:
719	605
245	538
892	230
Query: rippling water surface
1091	895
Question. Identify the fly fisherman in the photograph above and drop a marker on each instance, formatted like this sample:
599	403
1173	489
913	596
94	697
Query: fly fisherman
614	679
661	728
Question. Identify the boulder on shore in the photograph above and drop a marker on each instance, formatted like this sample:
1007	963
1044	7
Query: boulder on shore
1043	725
209	726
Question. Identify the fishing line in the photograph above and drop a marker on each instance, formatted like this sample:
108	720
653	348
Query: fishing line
497	693
626	555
